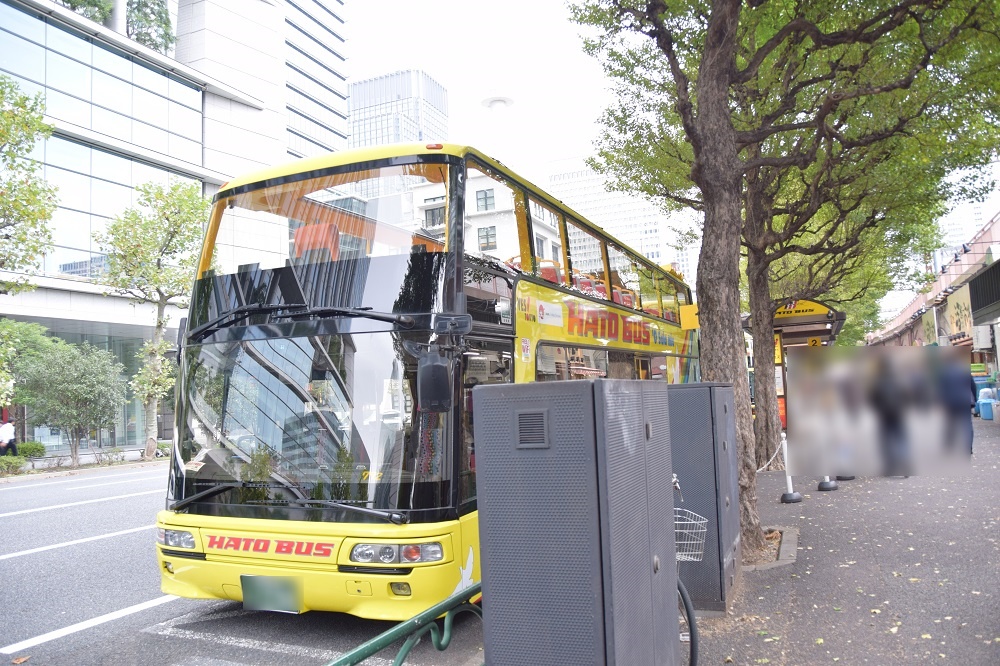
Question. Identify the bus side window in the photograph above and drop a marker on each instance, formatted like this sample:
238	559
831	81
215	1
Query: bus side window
545	225
669	297
586	259
625	277
494	215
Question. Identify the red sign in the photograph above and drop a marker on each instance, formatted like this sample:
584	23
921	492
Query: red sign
280	546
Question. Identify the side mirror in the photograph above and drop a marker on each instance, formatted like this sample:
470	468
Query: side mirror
452	324
435	381
181	333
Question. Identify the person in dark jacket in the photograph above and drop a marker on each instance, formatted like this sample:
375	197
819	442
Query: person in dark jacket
957	395
889	398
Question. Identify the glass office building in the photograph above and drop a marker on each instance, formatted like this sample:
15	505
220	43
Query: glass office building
124	116
396	108
317	82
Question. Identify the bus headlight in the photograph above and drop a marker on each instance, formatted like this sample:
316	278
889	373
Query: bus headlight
385	553
174	538
363	552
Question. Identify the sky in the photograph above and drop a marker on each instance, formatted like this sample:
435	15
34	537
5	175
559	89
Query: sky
523	50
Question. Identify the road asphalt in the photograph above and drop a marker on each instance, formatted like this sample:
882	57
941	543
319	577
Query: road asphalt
886	571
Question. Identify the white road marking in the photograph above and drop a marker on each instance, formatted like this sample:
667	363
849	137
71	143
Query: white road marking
252	644
25	485
75	542
87	624
173	628
158	479
63	506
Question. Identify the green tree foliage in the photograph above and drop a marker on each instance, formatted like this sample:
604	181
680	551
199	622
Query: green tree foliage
784	124
17	339
26	201
74	388
152	253
96	10
148	23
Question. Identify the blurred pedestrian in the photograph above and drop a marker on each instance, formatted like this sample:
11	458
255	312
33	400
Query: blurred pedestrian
8	439
889	399
957	394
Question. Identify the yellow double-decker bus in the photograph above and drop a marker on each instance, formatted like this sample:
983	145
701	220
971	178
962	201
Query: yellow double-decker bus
344	308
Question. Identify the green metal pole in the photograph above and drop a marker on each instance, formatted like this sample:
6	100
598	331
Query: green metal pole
418	625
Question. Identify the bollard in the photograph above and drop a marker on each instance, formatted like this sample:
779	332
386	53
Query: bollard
790	496
827	484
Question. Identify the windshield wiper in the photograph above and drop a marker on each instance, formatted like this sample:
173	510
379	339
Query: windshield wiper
221	488
406	321
392	517
208	492
230	317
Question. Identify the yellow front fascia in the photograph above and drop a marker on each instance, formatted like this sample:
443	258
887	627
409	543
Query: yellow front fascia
313	553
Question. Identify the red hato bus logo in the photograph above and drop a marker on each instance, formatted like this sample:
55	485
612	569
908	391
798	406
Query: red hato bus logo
280	547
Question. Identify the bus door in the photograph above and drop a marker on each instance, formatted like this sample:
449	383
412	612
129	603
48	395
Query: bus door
484	362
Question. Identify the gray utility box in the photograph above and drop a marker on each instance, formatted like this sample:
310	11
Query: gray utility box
703	432
576	523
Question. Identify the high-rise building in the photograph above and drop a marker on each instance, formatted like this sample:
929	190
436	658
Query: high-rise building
396	108
316	81
633	220
246	85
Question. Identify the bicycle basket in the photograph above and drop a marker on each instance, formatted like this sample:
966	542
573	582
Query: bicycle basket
689	535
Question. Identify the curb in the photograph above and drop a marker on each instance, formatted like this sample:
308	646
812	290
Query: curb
28	476
787	550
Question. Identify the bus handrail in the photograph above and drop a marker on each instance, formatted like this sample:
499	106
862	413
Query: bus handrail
415	628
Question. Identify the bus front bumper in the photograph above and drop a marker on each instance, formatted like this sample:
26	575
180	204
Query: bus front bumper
362	594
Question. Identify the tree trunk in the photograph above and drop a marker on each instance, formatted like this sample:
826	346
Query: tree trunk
154	361
74	446
767	425
718	172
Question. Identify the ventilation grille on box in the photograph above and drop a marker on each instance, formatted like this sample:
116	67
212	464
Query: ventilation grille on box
532	429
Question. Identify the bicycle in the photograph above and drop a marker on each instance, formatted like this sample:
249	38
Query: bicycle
689	535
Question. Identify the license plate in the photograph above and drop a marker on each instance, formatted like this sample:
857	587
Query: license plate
272	593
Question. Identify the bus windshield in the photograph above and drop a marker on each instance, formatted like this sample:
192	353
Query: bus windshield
349	237
299	426
297	387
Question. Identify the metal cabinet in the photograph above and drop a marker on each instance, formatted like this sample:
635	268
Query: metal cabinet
704	452
576	523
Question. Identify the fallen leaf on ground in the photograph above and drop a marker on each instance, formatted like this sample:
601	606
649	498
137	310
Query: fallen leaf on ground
20	660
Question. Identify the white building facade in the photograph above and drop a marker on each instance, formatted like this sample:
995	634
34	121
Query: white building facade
246	85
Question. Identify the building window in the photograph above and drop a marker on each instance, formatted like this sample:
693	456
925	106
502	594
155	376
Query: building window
434	217
488	237
484	200
556	252
539	247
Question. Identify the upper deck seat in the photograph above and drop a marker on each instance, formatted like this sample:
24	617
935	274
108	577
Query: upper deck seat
322	237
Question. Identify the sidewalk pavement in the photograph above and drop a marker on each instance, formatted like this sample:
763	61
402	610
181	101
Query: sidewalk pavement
888	571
